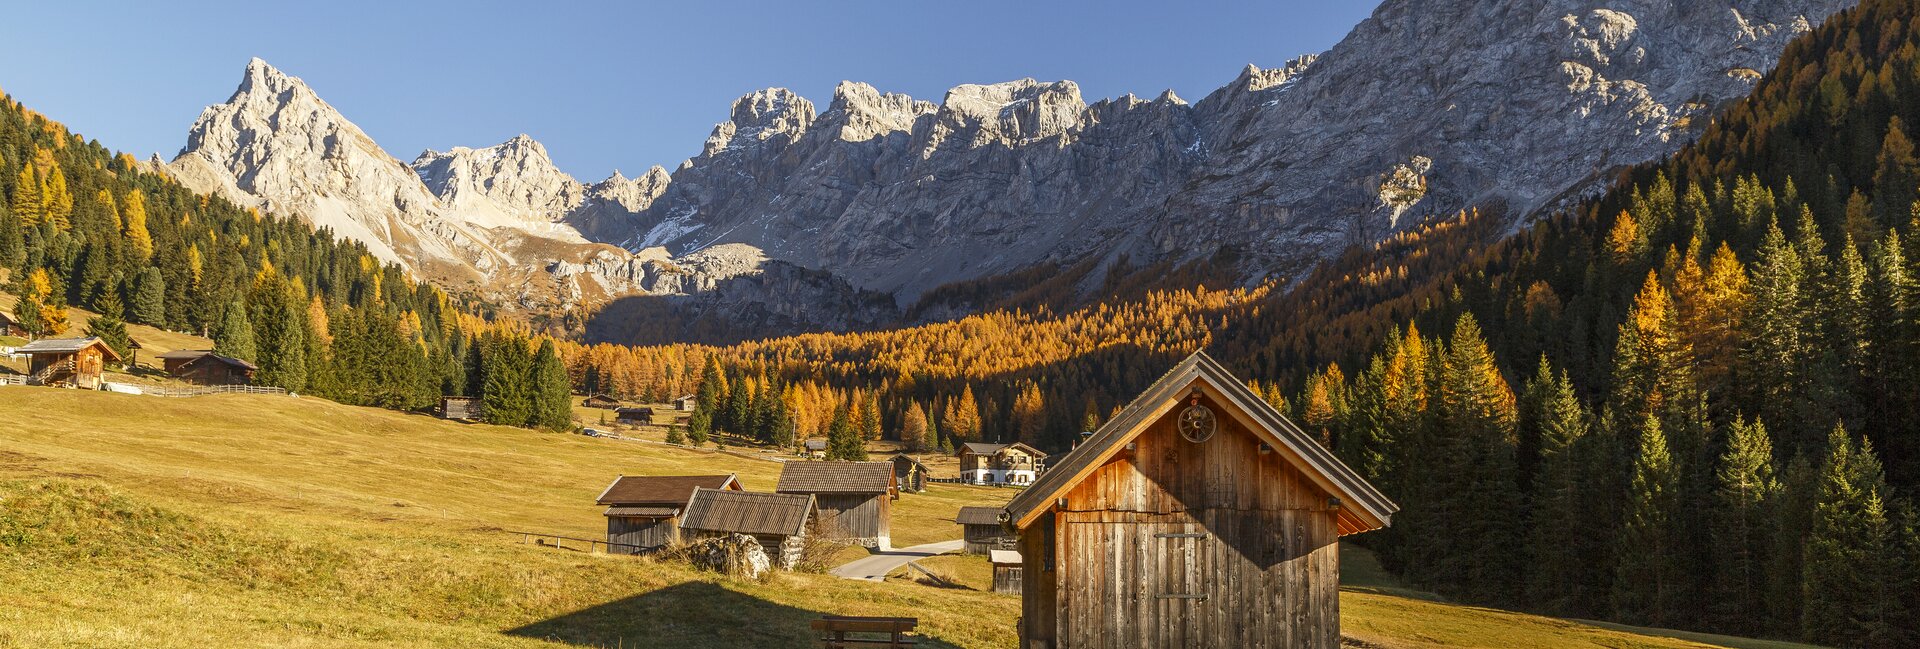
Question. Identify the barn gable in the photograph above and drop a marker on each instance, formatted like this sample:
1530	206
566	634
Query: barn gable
1360	506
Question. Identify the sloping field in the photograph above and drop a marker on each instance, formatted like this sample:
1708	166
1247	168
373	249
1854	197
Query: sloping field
240	520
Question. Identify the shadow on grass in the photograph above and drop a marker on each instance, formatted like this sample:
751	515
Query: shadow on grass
694	615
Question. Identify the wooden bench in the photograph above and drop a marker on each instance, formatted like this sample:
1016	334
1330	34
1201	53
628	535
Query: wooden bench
834	629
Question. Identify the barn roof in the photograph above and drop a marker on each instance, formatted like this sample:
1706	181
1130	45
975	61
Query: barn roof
642	512
662	490
633	410
815	444
65	346
978	516
206	356
1363	507
836	477
747	512
183	353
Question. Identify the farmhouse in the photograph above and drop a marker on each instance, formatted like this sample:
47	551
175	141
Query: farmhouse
643	512
633	416
207	368
1014	463
777	521
909	473
600	401
463	408
67	362
855	498
1197	517
685	403
981	528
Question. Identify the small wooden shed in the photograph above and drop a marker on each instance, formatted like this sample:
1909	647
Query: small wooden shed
778	521
11	327
643	512
982	530
855	498
600	401
203	367
634	416
685	403
67	362
462	408
909	473
1197	517
814	448
1006	571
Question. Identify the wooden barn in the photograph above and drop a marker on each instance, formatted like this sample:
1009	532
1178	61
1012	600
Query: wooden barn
600	401
633	416
982	530
1197	517
1006	571
910	474
643	512
462	408
204	367
778	521
67	362
685	403
855	498
814	448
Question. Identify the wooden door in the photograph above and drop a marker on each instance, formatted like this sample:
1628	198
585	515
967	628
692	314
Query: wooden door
1136	586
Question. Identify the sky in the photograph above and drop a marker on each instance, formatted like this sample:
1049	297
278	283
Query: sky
608	85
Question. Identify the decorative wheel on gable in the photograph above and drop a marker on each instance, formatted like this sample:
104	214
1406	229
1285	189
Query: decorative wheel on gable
1197	423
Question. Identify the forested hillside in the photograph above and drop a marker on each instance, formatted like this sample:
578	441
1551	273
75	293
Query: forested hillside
82	226
1690	402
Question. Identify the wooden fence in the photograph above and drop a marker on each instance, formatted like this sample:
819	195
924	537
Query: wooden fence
204	390
560	542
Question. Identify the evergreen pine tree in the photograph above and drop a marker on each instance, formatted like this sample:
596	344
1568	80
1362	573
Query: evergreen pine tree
676	435
552	393
235	337
13	243
843	440
1474	552
150	297
870	417
1848	555
506	394
1645	587
108	326
1744	490
1560	549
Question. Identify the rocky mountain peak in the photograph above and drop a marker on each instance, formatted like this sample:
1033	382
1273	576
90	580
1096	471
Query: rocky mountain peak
510	184
1012	112
761	115
859	112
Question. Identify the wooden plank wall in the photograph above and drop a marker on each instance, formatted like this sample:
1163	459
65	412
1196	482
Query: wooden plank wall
643	532
981	538
1177	544
860	518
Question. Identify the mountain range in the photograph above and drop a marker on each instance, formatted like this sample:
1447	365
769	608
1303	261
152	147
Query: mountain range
839	218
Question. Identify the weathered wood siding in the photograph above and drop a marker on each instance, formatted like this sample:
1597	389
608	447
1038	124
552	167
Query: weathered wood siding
856	518
648	533
1006	579
1177	544
983	538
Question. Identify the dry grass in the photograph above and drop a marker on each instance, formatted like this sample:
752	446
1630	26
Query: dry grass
130	521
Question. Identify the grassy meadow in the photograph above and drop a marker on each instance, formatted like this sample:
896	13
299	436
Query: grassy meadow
244	520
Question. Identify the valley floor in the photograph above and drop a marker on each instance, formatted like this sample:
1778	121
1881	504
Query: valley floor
236	520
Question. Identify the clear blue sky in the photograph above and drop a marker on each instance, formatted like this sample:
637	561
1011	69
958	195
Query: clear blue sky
613	84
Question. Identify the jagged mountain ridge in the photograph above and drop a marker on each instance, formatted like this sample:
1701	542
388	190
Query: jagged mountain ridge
1426	108
491	220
